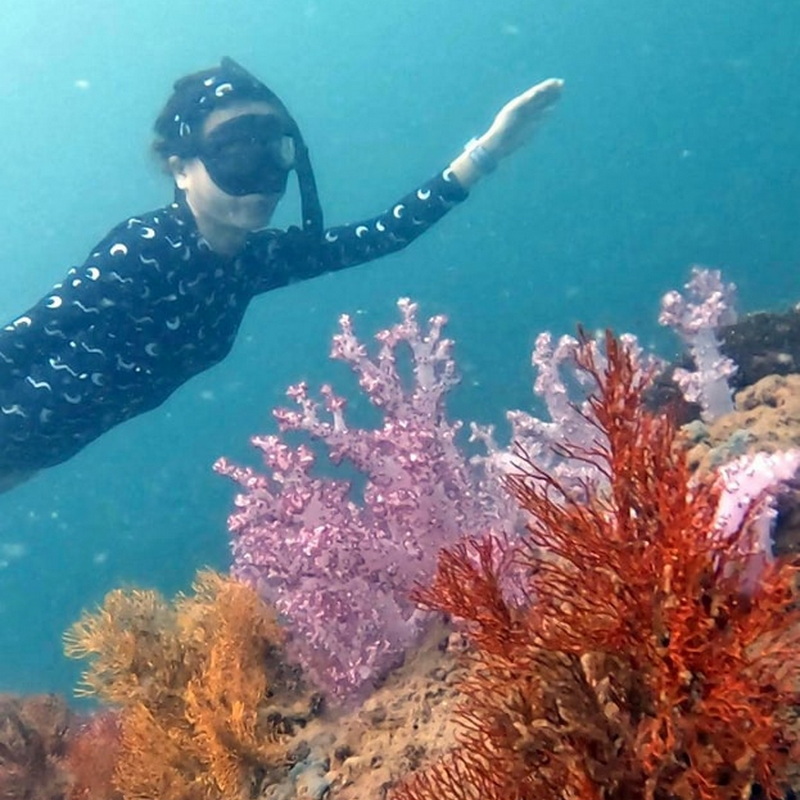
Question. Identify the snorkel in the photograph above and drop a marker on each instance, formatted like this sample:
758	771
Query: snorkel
180	125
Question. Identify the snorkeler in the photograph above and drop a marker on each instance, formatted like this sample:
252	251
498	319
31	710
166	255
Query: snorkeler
161	298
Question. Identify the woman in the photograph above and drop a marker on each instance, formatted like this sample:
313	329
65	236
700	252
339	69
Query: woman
161	298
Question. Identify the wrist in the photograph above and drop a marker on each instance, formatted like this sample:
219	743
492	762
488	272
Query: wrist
482	156
477	160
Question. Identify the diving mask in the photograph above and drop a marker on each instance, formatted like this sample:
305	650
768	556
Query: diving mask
249	154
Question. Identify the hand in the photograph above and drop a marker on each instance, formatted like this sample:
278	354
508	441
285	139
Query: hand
511	128
517	119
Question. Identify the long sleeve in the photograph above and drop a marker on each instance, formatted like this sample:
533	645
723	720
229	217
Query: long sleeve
150	307
66	362
291	256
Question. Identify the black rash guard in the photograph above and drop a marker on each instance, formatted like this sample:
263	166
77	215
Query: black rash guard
152	306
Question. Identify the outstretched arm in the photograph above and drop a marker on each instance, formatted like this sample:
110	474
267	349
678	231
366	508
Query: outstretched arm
512	127
292	257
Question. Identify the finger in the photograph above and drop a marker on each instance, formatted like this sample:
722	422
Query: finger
543	94
536	100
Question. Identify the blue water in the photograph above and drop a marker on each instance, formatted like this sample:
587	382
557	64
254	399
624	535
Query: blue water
676	142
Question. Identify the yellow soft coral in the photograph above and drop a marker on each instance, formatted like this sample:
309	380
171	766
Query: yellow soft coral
192	679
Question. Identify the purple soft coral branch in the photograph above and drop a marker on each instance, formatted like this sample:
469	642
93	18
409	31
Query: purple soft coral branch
339	570
708	305
749	486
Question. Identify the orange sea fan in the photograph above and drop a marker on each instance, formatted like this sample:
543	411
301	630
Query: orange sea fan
132	644
191	679
643	668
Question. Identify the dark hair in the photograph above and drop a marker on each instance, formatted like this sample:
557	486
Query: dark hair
179	126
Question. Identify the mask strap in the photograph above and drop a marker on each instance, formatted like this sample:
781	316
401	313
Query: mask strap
311	208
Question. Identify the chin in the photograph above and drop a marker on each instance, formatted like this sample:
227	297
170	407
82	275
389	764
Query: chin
251	221
255	211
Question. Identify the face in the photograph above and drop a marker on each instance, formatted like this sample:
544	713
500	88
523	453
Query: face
209	203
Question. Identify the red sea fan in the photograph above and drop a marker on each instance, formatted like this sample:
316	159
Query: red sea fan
649	664
92	752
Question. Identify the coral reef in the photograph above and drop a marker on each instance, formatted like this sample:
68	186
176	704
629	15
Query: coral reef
33	742
639	642
648	663
763	343
403	724
197	684
766	418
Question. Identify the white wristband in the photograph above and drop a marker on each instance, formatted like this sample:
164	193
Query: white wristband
485	161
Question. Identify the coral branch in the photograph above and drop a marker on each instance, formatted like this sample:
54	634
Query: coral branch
338	567
708	306
658	657
191	680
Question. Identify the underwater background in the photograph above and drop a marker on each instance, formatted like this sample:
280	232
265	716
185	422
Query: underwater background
676	142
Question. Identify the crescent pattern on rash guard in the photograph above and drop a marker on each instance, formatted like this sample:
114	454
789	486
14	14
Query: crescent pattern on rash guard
153	306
